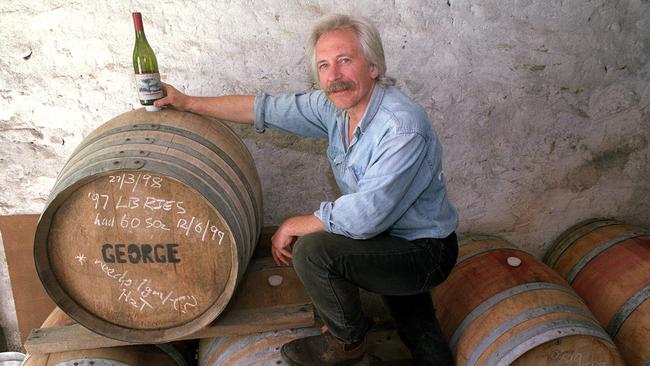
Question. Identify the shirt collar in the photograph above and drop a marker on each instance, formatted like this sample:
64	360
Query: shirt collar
373	106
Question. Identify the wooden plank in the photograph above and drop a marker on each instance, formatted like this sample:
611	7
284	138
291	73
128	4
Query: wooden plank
32	303
235	322
256	292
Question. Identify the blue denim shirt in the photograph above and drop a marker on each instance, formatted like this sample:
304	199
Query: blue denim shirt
390	174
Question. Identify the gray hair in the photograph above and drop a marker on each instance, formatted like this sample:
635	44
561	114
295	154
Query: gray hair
368	37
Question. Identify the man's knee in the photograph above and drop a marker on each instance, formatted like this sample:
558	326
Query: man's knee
310	250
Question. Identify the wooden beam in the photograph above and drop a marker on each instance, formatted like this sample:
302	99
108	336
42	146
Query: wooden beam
234	322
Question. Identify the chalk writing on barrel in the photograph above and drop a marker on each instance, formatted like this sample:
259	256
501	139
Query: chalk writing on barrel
140	293
571	358
140	253
81	258
132	220
100	201
127	179
200	228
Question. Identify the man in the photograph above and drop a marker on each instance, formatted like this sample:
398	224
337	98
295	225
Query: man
392	230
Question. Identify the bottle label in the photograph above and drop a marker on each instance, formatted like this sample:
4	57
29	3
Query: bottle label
148	86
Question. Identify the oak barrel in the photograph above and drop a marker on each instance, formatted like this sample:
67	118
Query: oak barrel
11	358
608	264
257	349
168	354
496	312
150	226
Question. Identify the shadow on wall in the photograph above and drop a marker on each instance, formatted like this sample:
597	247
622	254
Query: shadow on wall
615	158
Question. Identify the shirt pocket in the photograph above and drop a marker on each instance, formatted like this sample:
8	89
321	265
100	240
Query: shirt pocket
336	158
335	155
355	173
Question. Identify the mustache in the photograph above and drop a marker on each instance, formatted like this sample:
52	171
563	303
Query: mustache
339	86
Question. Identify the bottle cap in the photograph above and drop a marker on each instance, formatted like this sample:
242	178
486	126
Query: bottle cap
151	108
137	21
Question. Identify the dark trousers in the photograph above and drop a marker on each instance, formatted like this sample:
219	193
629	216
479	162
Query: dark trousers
333	268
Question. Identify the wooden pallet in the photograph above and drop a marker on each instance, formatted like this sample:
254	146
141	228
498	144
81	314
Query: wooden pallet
234	322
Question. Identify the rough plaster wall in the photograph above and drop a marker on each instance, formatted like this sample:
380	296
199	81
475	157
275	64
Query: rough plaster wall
542	106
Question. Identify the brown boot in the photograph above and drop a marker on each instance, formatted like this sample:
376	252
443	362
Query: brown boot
323	350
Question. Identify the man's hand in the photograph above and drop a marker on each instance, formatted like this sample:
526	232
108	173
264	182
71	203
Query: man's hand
288	232
280	241
173	97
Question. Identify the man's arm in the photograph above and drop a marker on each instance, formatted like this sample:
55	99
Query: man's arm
234	108
241	109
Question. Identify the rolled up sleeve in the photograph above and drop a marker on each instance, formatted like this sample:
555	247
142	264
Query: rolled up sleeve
259	109
306	114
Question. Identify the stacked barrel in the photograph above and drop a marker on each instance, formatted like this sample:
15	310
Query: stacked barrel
257	349
587	303
166	354
150	226
608	264
502	306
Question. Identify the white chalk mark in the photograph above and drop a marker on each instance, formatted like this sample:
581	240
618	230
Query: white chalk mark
189	226
188	304
81	258
207	225
136	182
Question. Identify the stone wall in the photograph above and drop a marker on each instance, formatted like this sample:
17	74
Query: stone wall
543	107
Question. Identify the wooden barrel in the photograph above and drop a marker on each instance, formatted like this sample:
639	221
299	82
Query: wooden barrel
11	358
258	349
150	226
502	306
608	264
169	354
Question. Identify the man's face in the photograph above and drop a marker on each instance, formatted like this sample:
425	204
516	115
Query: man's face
343	71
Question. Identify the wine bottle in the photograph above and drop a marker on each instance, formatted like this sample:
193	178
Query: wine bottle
145	65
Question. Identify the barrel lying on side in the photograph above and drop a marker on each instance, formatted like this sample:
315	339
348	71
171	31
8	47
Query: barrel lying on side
502	306
171	354
608	264
150	226
256	349
11	358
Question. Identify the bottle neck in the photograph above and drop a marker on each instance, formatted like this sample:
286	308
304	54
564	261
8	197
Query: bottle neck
137	23
139	35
